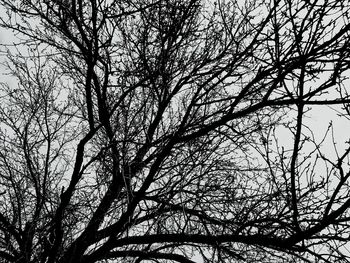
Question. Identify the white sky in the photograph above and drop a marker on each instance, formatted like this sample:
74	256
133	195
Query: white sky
320	116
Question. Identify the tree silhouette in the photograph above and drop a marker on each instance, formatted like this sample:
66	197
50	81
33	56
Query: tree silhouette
174	131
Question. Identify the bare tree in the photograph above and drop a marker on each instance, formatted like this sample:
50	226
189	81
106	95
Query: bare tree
174	131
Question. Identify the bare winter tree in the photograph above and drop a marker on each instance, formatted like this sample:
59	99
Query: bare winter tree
174	131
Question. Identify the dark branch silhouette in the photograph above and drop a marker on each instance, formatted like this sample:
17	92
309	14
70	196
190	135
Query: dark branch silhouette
174	131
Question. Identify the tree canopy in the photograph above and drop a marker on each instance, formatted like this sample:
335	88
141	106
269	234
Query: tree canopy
174	131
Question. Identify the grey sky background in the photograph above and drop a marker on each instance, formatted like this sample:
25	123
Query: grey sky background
319	116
